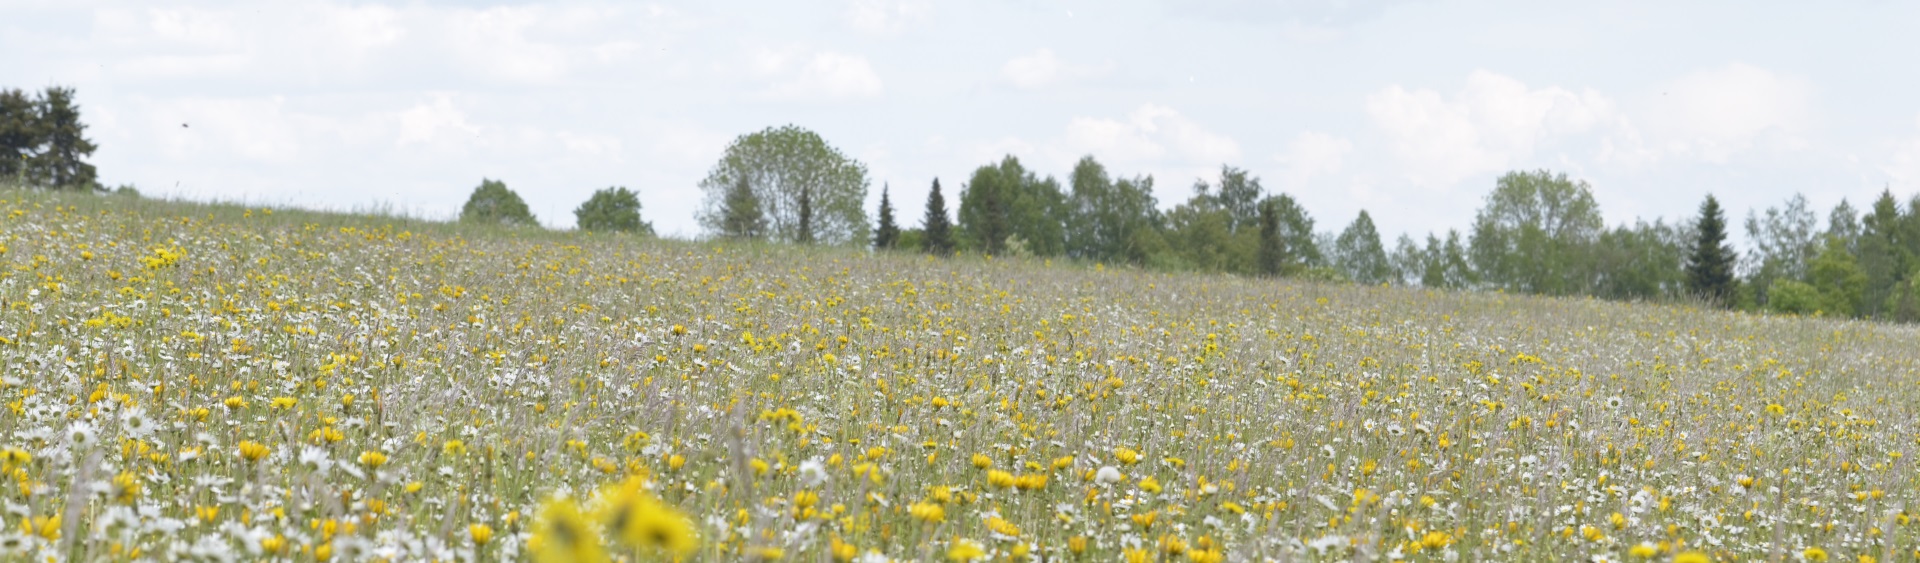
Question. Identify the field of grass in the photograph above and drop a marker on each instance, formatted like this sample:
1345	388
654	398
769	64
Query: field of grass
216	382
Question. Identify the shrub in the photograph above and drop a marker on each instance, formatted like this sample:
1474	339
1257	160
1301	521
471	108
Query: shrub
492	202
614	209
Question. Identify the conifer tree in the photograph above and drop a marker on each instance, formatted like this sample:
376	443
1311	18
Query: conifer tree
888	234
740	215
939	230
1710	265
1273	251
61	162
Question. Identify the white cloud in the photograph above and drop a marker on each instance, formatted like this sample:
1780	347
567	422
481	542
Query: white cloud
1152	139
1043	68
1312	154
1713	114
1904	165
1493	123
434	123
824	76
1150	132
885	17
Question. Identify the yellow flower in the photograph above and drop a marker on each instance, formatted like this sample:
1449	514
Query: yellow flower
1814	554
15	457
1643	550
1149	484
454	448
981	461
1692	557
928	512
482	533
562	535
965	550
1126	455
1003	527
252	451
842	551
637	518
284	402
769	554
373	459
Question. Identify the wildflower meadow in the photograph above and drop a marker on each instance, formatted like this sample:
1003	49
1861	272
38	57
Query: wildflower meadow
219	382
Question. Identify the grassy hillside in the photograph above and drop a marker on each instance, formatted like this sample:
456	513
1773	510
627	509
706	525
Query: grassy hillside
304	386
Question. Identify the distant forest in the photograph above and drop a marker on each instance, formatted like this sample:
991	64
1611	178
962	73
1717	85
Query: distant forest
1537	232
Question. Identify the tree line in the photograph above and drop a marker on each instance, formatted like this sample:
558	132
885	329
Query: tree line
1537	232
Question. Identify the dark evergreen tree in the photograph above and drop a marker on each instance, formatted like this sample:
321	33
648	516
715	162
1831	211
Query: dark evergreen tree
740	215
937	229
888	234
1273	250
19	134
1710	265
61	161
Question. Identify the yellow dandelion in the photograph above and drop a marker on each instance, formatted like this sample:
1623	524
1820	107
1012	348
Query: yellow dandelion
963	550
635	517
561	535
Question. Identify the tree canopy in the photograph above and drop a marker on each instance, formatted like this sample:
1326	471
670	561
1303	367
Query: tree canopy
493	203
615	209
807	190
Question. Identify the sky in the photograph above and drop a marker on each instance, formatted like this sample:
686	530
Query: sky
1409	110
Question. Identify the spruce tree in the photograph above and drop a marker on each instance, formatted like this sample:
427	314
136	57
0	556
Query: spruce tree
888	234
19	134
740	215
1273	250
939	230
61	163
1710	265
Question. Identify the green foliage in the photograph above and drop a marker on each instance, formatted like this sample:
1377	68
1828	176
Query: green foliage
1839	279
1201	233
1273	250
1110	221
1789	296
1358	254
911	240
614	209
1710	264
1645	261
1886	249
1439	264
1903	299
936	227
1238	193
43	143
19	134
888	233
1005	200
1535	234
493	203
1781	244
806	190
740	215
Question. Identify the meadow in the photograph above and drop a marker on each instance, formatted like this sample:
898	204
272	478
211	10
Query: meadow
218	382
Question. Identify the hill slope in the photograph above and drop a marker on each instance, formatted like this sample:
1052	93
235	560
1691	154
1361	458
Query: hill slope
305	385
